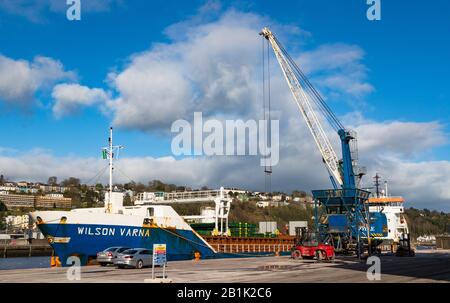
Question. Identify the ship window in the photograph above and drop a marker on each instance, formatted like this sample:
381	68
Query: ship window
150	211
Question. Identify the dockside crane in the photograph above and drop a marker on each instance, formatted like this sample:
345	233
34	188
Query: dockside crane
345	214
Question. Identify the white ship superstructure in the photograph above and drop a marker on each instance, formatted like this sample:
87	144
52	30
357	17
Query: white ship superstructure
394	210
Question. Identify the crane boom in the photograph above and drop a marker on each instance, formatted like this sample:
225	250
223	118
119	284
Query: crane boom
304	104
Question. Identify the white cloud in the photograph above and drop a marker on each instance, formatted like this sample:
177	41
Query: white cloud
21	79
400	138
425	184
337	68
214	66
70	98
153	91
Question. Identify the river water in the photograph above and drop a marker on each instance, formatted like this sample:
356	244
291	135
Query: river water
24	263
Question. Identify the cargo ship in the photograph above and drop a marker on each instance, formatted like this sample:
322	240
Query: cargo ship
87	231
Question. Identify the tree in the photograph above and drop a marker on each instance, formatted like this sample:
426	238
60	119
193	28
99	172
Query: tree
90	198
52	181
3	207
71	182
127	201
299	194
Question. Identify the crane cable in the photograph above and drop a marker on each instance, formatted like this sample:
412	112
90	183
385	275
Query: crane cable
266	92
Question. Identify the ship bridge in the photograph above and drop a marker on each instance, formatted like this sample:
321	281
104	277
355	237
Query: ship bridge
218	215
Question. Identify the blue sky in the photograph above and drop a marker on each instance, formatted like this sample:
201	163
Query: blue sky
402	61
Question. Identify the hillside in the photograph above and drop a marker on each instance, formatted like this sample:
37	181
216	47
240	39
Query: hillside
421	222
250	213
426	222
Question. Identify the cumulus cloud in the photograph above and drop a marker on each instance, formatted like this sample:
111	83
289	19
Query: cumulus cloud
337	69
214	66
70	98
35	10
21	79
400	138
425	184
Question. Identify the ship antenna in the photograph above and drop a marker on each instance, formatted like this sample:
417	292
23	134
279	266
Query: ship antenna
377	184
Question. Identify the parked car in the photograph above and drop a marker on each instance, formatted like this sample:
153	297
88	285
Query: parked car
135	257
109	255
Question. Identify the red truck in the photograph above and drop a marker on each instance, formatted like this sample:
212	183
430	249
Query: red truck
310	246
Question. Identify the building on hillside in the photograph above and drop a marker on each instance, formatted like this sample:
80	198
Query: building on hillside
308	200
17	222
54	195
235	191
53	202
17	201
277	198
12	201
426	239
277	203
9	188
23	184
52	188
262	204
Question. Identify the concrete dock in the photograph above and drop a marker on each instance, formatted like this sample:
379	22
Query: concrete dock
432	266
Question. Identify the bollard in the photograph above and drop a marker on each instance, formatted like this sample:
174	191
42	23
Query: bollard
54	262
197	256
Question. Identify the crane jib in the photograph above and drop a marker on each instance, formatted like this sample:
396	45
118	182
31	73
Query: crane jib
306	96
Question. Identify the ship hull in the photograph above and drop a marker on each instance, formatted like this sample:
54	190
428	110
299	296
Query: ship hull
86	240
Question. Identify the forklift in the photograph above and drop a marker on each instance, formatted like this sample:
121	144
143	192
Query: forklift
309	245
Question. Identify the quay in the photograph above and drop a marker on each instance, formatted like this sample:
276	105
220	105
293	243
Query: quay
427	266
22	248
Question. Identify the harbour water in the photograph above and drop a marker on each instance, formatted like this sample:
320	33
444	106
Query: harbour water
24	263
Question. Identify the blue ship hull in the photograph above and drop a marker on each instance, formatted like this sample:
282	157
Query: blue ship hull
85	241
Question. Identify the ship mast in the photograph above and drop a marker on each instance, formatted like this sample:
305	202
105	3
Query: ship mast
111	156
109	153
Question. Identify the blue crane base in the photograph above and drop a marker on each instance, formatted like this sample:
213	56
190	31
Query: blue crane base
341	215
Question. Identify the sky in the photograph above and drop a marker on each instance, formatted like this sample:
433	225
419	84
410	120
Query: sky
141	65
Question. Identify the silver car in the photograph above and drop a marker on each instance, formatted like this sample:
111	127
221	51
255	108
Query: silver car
135	257
109	255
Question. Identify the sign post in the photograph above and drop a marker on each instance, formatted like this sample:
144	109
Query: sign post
159	258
